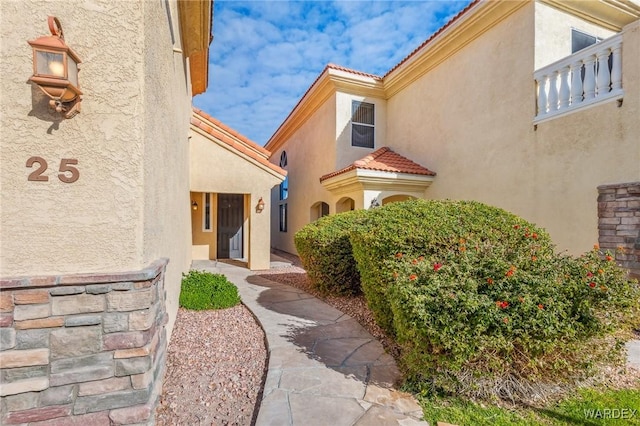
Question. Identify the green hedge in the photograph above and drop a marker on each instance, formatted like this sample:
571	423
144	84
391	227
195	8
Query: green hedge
204	290
482	305
325	251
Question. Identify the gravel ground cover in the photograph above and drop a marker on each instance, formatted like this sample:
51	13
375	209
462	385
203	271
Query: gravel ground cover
216	364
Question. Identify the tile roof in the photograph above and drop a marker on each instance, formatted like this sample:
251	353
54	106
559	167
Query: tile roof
233	139
351	71
384	160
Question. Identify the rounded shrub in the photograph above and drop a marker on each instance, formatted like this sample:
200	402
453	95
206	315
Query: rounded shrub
420	228
481	304
204	290
325	251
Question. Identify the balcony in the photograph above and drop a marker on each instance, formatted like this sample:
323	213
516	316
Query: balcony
586	78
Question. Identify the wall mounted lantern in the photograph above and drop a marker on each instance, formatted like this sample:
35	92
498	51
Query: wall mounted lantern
55	70
194	205
260	205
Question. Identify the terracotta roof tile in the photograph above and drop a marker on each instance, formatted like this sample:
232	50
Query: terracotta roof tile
384	160
238	142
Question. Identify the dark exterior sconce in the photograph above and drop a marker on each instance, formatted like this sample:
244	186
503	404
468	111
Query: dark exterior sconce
55	70
260	206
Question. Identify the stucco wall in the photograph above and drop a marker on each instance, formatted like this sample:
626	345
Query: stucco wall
130	205
474	128
311	153
167	112
93	224
239	176
553	33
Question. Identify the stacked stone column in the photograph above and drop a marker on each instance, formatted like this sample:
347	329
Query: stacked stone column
619	223
82	349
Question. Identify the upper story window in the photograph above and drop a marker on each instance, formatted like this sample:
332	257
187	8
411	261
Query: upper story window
362	124
284	186
581	40
284	194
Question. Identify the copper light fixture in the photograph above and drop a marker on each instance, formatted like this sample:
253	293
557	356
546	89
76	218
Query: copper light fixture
55	70
194	205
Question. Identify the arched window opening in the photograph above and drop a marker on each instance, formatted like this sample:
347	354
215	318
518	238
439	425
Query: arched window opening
319	210
345	204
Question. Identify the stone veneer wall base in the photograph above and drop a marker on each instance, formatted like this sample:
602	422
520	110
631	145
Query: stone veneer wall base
82	349
619	223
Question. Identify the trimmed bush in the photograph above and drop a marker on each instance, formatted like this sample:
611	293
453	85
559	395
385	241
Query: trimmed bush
422	228
481	304
325	251
204	290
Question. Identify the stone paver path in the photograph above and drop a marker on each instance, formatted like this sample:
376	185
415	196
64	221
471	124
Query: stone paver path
324	368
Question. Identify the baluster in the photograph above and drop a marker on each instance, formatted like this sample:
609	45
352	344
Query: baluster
553	91
604	78
564	88
542	95
589	78
616	68
576	82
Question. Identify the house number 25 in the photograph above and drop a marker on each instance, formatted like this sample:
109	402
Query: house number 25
68	173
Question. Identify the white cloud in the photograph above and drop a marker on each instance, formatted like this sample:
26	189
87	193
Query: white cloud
266	54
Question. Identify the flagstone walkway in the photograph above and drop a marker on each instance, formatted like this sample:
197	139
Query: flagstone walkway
323	368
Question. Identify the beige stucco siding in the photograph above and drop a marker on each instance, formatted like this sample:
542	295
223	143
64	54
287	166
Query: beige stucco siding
93	224
468	118
167	112
311	152
578	152
553	33
130	205
474	128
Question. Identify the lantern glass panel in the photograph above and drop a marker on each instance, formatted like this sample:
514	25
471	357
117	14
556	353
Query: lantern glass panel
72	70
50	63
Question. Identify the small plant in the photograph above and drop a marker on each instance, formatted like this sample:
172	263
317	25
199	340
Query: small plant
204	290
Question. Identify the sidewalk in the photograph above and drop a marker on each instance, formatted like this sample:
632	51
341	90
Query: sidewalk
324	368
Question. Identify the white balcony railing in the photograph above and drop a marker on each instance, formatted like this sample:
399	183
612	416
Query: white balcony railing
589	76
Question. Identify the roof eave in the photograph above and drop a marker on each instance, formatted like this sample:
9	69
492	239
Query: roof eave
329	82
376	179
468	26
195	18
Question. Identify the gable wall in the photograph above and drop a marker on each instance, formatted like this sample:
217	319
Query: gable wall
311	153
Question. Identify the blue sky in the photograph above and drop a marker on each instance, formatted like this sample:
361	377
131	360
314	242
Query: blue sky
266	54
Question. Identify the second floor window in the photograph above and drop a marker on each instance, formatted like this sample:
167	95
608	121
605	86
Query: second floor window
362	124
581	40
284	186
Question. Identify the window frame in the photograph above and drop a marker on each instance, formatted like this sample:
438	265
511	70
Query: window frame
284	194
207	212
355	105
